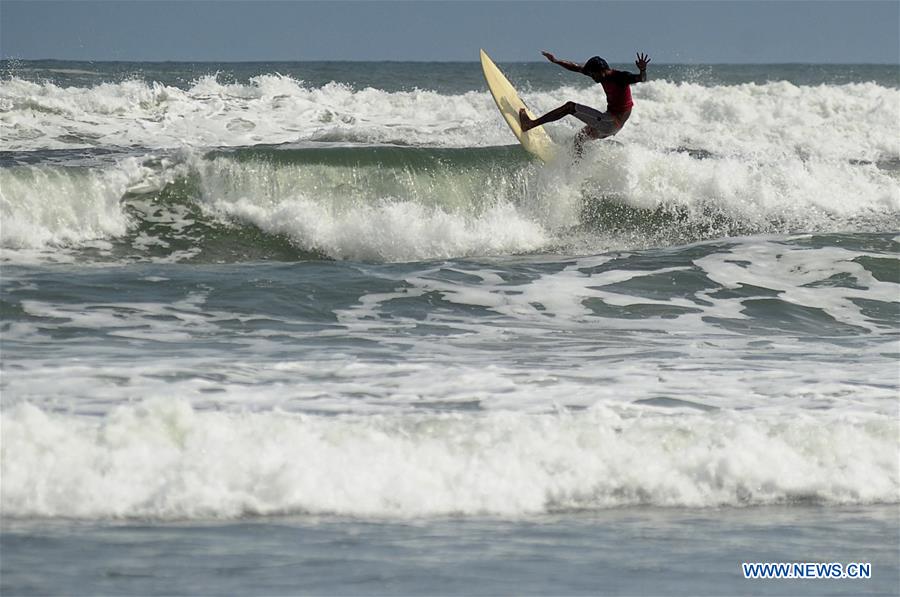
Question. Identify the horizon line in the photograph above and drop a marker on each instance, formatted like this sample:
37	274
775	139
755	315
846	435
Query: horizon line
393	61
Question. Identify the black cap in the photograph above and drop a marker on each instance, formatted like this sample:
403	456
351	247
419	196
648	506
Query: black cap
595	64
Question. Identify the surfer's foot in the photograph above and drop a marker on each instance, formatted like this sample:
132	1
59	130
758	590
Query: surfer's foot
524	121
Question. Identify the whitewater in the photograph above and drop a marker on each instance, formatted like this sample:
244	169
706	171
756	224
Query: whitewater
335	308
756	154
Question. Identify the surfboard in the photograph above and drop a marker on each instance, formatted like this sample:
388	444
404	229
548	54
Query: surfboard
536	141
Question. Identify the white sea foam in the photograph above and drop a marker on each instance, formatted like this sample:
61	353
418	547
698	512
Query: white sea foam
525	388
852	121
53	205
750	325
396	214
394	230
375	213
270	109
795	275
758	190
42	206
770	120
165	460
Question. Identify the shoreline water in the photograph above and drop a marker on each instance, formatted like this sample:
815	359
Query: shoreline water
631	551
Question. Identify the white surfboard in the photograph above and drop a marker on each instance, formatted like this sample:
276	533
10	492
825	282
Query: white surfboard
536	141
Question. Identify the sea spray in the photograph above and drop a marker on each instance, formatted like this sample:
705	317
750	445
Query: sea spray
833	122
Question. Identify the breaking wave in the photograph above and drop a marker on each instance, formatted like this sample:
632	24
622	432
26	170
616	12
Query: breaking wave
165	460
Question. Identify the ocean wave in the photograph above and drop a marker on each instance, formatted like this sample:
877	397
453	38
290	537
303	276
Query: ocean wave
269	109
166	460
849	121
391	204
69	206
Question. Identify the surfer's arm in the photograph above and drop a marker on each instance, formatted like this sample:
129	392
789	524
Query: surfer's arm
623	77
626	78
575	68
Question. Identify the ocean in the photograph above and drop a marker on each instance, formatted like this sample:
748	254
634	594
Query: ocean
325	328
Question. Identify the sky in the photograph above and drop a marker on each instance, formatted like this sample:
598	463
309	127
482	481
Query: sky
728	31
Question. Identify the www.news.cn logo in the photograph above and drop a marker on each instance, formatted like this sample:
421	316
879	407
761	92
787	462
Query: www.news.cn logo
806	570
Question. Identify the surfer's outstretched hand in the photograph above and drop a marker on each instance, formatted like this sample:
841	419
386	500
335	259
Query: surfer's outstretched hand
642	61
549	56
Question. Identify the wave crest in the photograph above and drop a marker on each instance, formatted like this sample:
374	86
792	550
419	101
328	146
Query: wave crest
166	460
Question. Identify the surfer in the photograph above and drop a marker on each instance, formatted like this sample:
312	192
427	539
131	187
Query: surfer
616	84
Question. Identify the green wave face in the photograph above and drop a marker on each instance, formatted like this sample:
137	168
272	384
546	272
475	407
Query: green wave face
389	203
373	203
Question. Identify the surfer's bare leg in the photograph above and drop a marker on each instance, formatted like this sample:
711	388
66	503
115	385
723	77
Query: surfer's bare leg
560	112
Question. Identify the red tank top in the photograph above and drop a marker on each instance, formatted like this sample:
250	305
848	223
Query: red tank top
618	93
